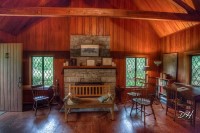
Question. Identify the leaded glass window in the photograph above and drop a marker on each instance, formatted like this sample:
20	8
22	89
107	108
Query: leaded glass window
195	74
134	69
42	70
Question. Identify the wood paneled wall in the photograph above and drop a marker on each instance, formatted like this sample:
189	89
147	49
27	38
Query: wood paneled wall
52	35
185	43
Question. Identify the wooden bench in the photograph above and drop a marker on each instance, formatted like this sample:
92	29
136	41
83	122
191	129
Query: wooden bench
88	98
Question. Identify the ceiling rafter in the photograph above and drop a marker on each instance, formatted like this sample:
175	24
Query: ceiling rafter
99	12
184	6
196	4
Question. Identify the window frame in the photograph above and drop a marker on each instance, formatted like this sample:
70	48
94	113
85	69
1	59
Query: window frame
191	68
134	56
43	56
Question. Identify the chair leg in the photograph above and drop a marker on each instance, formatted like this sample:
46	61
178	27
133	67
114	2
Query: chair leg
153	112
36	108
126	100
133	103
144	115
34	105
136	107
166	108
175	108
49	105
141	110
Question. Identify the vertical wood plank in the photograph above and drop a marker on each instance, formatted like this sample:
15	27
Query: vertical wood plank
6	80
10	68
12	71
2	96
87	26
19	75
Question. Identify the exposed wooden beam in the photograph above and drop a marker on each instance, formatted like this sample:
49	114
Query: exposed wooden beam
184	6
116	13
196	4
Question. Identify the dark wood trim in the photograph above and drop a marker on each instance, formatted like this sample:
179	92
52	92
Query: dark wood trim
91	12
185	6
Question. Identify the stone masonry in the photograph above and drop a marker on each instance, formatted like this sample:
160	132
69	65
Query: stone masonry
107	76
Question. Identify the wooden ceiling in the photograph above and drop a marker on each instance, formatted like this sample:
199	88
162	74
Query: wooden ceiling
165	16
164	28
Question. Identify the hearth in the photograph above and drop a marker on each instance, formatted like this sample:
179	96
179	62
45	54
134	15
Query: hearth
89	83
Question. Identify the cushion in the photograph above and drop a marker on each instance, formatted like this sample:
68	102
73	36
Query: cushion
103	98
71	100
106	98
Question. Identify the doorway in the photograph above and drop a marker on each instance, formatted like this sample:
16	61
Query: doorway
10	77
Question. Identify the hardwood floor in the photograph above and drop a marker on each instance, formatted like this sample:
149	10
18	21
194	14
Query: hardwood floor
95	122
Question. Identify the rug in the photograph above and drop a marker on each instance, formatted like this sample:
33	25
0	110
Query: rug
90	109
2	112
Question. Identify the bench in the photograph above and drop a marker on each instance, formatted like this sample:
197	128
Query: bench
89	97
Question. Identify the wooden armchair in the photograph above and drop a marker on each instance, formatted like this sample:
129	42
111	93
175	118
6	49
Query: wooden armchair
146	98
40	99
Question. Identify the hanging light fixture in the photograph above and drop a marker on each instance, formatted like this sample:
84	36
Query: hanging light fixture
157	63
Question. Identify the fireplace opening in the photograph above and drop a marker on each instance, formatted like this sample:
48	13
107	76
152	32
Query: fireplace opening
89	83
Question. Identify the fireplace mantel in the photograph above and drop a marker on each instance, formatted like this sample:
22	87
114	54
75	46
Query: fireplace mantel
89	67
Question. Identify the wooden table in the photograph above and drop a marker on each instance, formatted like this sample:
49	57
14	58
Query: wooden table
191	93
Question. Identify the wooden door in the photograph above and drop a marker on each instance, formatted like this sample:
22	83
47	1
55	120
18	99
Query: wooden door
10	76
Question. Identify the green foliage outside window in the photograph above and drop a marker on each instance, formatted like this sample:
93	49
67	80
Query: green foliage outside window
195	74
134	69
42	70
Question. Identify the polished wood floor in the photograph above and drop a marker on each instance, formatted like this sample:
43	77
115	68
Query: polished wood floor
95	122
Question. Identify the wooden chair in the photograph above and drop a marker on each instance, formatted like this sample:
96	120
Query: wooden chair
146	98
133	92
177	103
40	98
55	99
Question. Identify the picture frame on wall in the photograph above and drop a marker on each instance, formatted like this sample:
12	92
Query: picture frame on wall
89	50
90	62
170	64
107	61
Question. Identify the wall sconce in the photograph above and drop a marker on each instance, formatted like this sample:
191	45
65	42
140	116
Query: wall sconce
146	68
6	55
157	63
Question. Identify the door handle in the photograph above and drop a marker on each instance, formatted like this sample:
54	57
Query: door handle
19	84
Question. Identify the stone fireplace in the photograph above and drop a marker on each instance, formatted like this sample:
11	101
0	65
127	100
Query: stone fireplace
74	75
80	72
76	41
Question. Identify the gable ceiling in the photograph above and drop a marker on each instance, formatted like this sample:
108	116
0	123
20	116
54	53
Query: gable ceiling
156	8
164	28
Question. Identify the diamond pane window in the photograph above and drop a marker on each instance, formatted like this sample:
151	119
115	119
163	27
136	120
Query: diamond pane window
134	69
195	74
42	70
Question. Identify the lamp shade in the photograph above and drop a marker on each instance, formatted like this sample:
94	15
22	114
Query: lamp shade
157	63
